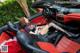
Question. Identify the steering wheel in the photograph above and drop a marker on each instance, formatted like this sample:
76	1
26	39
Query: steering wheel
24	39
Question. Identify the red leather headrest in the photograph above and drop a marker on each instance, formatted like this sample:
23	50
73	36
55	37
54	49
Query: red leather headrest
72	17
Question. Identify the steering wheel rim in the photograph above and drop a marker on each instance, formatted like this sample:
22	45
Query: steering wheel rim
24	39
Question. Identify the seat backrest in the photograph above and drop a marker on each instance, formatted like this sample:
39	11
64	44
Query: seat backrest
50	48
3	37
67	45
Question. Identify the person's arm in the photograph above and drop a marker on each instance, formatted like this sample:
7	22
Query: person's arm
44	30
24	21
